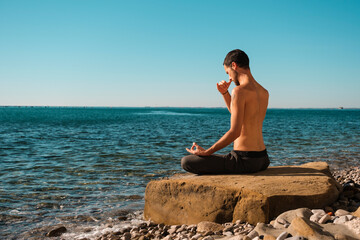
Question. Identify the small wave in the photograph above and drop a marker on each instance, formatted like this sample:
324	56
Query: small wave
133	197
13	217
96	231
168	113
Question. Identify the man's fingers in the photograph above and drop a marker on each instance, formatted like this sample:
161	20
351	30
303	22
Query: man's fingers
190	151
221	82
223	85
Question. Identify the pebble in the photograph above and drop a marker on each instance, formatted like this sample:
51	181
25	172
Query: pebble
315	217
341	220
56	232
253	234
324	219
269	237
143	231
127	236
295	238
341	212
196	236
208	238
180	229
340	237
228	234
228	228
318	211
282	236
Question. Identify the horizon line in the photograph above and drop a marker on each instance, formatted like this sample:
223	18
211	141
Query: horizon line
80	106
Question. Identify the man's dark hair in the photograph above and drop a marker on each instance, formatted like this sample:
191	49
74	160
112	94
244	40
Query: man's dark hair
237	56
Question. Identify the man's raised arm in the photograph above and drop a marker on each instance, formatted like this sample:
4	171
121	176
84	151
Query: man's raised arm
237	116
223	89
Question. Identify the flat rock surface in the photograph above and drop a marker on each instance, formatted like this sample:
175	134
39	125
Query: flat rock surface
257	197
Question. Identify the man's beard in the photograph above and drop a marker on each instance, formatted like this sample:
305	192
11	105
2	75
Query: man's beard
235	78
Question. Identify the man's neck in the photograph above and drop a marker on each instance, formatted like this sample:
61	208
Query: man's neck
245	77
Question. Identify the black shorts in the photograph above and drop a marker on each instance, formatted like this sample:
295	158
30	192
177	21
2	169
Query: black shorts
236	162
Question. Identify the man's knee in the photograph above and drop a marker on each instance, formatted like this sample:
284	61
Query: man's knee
186	162
190	164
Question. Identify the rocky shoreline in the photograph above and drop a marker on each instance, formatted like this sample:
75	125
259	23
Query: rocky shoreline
341	220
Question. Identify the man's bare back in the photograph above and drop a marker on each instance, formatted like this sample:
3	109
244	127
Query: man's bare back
247	105
256	102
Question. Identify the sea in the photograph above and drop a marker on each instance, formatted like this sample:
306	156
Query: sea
87	167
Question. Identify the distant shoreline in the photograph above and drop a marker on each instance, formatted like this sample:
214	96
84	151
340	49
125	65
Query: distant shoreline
168	107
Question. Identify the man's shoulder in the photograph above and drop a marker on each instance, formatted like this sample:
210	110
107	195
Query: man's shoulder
248	90
238	89
238	92
241	90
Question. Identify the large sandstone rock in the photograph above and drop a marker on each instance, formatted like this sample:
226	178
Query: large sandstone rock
259	197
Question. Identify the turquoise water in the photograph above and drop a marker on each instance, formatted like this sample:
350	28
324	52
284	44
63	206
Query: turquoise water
65	164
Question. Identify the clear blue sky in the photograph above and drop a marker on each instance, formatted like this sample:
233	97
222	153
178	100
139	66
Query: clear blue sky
170	53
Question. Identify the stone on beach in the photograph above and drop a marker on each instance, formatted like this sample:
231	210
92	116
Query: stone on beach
282	236
341	212
253	198
269	237
267	229
303	227
288	216
206	226
343	219
56	232
253	234
324	219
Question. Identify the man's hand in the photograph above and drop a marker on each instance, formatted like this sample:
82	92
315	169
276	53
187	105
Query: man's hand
198	151
223	86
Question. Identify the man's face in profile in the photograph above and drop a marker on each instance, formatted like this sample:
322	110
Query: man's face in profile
233	75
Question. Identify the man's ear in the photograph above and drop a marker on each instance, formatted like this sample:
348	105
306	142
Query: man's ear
234	65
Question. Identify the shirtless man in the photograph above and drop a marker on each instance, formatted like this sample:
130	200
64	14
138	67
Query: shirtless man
247	105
